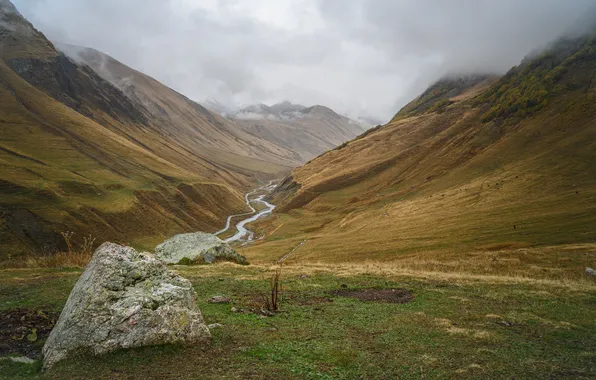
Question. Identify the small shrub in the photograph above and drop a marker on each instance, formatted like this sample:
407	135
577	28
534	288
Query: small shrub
272	298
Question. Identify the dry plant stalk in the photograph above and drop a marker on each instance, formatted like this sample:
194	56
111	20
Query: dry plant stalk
272	299
67	236
87	247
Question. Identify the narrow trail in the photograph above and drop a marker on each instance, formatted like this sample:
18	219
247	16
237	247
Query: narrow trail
242	231
287	255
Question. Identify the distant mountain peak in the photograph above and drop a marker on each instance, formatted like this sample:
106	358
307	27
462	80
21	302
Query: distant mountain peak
6	6
18	38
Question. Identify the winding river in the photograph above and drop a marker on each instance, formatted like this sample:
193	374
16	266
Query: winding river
242	233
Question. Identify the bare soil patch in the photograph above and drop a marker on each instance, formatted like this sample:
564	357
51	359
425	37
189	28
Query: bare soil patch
22	332
377	295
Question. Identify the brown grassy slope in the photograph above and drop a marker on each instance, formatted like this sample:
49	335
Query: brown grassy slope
77	154
443	180
61	171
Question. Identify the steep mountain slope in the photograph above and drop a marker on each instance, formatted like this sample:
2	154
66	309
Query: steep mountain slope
180	117
309	131
471	164
80	154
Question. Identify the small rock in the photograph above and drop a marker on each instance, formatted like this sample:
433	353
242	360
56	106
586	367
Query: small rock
505	323
214	326
234	310
219	299
197	248
267	313
303	276
590	272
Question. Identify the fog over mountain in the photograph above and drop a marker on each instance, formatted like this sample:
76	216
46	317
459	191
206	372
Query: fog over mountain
363	58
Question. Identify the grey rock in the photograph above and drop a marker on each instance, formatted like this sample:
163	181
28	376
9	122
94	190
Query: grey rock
197	247
219	299
265	312
125	299
590	272
215	326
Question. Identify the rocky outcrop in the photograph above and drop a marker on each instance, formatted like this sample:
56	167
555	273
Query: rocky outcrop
125	299
197	248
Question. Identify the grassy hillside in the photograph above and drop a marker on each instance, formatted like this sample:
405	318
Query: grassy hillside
457	178
80	154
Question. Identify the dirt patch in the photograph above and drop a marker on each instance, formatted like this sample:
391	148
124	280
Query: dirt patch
307	300
377	295
23	332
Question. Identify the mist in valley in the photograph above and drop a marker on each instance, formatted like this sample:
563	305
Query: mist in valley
362	58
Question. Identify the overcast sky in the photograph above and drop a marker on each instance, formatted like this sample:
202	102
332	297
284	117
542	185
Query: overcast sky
359	57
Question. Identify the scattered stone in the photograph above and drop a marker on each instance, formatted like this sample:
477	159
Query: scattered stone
125	299
19	359
590	272
234	310
219	299
266	312
197	248
303	276
505	323
214	326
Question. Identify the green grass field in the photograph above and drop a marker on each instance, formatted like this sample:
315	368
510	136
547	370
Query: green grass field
455	327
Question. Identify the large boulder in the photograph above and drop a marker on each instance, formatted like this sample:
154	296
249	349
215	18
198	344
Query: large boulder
125	299
197	248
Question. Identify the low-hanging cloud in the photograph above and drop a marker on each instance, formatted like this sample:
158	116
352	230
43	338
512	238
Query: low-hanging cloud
363	58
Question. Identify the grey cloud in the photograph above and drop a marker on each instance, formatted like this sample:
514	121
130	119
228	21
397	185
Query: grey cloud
364	58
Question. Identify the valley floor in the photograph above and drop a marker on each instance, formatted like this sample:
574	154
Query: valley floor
462	325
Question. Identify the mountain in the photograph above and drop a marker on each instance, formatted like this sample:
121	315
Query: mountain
217	107
102	149
179	116
309	131
474	163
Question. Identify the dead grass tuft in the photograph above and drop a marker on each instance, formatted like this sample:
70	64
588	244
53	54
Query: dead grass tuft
71	258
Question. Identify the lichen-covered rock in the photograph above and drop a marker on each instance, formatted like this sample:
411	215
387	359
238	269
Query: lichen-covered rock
125	299
198	247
